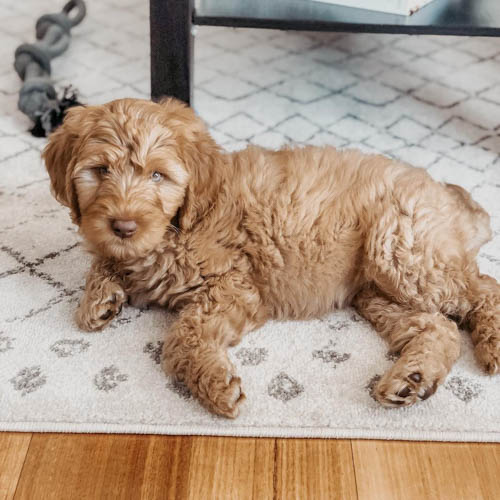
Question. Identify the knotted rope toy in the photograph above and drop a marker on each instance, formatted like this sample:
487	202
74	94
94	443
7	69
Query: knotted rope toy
38	99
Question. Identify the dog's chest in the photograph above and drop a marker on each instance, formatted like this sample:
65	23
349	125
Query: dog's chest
182	267
160	277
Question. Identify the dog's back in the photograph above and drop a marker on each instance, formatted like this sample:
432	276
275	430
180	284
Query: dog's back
474	217
307	212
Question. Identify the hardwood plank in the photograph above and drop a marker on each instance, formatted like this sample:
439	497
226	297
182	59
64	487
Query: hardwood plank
315	468
83	466
167	467
393	470
13	449
150	467
235	468
486	458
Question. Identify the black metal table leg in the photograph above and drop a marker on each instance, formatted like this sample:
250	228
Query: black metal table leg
171	49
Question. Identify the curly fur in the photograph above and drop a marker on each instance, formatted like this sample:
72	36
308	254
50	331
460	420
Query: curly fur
233	240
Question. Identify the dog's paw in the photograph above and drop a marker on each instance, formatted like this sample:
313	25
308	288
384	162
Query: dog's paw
213	382
222	395
488	354
98	308
206	370
405	385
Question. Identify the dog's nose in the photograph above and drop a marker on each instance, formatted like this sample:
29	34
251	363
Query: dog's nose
124	228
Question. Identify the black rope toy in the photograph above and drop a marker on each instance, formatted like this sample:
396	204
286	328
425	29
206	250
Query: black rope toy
38	98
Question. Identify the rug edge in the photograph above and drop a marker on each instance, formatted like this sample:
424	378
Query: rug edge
265	432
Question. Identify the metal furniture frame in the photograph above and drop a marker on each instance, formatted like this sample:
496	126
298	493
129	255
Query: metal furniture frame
172	22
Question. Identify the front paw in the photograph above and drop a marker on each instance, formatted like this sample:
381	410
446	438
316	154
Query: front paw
99	306
221	393
212	381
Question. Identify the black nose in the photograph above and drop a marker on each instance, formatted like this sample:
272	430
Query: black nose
124	228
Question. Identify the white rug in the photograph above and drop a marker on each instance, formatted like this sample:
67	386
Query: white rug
433	101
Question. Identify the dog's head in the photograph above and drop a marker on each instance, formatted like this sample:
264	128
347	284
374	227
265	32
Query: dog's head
126	168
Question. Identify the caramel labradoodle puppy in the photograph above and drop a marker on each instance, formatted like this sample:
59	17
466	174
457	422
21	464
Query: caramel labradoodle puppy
231	240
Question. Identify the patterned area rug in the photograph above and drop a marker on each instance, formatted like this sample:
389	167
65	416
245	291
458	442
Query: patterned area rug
432	101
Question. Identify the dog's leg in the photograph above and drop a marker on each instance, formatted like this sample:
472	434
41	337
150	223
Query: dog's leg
195	350
102	299
483	320
429	344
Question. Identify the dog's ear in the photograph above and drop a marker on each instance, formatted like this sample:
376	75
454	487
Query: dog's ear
178	111
60	160
201	156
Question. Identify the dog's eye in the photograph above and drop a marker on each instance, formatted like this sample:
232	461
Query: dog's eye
102	171
156	176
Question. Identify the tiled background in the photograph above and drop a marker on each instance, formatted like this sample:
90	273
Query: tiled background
432	101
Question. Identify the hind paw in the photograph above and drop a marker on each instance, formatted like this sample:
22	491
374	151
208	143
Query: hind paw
407	383
488	354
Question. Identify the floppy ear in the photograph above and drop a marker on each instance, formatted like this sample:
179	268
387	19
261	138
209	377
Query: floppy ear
60	160
201	156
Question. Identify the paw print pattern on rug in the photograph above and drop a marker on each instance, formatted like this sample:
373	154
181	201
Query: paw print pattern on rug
284	387
28	380
65	348
328	355
370	386
463	388
356	318
154	349
252	356
5	343
338	326
179	388
127	316
108	378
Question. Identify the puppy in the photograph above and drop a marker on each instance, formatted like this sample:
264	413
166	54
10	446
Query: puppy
231	240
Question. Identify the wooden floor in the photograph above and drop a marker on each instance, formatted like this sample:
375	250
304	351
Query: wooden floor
77	466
